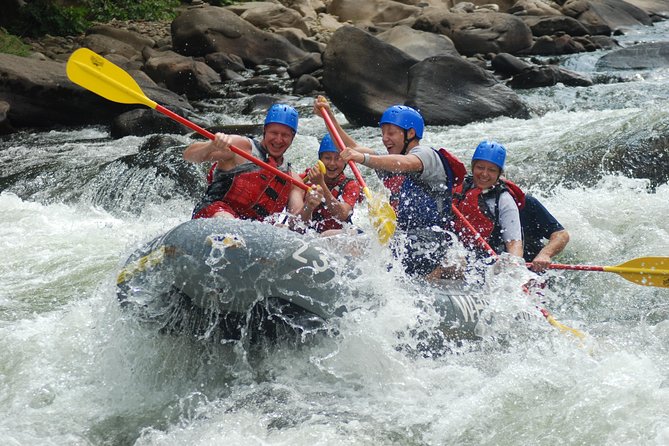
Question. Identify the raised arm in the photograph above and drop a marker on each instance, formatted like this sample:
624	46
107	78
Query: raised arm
389	163
218	149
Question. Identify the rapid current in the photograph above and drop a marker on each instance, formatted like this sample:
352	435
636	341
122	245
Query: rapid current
76	370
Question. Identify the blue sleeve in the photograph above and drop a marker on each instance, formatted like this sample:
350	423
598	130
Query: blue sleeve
537	222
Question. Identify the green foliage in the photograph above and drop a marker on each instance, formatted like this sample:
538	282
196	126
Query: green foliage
221	2
105	10
11	44
40	17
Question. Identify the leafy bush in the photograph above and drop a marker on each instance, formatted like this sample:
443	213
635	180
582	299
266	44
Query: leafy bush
39	17
11	44
105	10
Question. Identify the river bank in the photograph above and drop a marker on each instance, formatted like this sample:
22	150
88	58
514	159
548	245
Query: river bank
264	51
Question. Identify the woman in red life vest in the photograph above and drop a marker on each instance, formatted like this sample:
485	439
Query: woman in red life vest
239	188
340	192
489	203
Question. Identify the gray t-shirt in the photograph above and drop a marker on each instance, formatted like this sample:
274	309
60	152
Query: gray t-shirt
433	172
509	217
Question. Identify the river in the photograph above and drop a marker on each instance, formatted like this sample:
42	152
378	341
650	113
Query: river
75	370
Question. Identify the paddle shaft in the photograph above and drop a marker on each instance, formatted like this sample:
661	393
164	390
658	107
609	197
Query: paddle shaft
484	244
95	73
480	240
646	271
341	146
237	150
611	269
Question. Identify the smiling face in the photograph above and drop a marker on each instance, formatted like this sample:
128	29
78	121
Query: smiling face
334	165
277	138
485	174
393	138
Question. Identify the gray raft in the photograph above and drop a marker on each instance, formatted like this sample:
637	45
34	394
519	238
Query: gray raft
224	278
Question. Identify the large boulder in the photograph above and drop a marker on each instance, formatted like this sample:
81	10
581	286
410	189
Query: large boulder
533	8
41	95
449	90
638	57
182	74
446	89
363	75
267	15
418	44
372	11
552	25
201	31
144	121
658	9
478	32
605	16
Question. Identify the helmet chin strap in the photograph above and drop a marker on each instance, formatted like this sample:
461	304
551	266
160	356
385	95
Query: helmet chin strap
406	142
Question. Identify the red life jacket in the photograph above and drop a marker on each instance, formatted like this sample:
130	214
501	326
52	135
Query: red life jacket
470	200
322	216
394	184
250	191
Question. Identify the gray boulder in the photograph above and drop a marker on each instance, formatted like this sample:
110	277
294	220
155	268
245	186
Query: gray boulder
606	16
638	57
363	75
201	31
418	44
449	90
41	95
478	32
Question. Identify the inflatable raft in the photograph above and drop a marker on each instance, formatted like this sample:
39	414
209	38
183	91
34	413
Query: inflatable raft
225	279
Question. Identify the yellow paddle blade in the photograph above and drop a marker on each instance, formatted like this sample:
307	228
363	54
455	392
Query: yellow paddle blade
382	215
562	327
648	271
95	73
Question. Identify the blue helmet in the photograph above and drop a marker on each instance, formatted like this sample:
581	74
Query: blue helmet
490	151
404	117
327	145
282	114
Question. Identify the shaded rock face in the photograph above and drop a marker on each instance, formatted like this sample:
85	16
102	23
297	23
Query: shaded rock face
200	31
418	44
478	32
642	56
41	95
605	16
451	91
144	121
446	89
119	182
363	76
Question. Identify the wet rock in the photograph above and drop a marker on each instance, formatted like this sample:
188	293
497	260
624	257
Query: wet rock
145	121
637	57
201	31
418	44
451	91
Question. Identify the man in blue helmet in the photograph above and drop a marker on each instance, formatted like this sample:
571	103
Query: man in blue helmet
340	192
239	188
489	203
420	180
